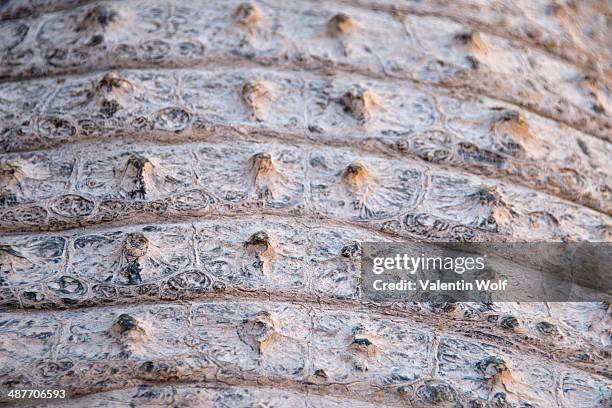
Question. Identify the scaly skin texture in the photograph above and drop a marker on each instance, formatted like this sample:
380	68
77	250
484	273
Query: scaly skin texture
185	187
436	51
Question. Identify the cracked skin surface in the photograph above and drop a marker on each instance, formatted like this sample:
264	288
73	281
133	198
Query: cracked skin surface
184	188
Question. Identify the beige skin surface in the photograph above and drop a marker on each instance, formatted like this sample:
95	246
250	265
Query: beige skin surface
437	51
185	187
